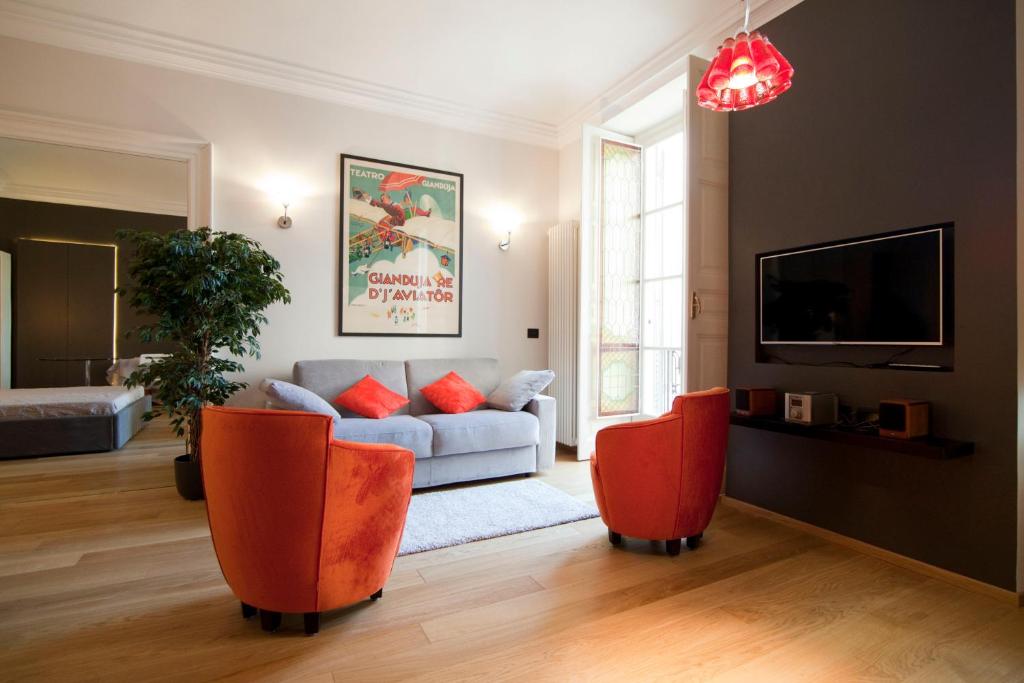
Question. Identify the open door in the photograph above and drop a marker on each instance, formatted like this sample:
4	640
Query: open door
589	379
706	348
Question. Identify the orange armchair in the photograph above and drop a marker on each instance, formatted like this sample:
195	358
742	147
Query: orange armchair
660	479
300	522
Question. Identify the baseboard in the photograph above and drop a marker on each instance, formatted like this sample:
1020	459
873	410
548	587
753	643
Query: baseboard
959	580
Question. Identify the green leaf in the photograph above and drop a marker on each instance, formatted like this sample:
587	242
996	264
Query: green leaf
206	291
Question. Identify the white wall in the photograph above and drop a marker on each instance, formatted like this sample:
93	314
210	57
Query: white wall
256	133
570	181
88	177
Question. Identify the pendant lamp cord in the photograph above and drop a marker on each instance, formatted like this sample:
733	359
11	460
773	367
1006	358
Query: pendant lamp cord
746	16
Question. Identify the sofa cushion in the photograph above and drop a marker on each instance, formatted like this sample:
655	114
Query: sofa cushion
402	430
328	378
482	373
481	430
519	389
452	394
286	396
370	398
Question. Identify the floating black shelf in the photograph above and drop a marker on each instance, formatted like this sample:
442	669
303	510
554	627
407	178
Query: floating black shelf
927	446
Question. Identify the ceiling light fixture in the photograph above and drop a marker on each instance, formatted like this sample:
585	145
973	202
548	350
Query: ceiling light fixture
747	71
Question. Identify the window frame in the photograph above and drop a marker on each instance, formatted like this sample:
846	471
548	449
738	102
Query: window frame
647	140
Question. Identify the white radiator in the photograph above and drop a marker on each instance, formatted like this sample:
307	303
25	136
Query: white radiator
563	324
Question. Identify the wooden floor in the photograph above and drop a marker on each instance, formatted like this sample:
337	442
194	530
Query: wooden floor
108	575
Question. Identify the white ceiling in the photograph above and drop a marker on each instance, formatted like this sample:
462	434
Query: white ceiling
531	64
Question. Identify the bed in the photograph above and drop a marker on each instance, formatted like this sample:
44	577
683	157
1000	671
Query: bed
59	420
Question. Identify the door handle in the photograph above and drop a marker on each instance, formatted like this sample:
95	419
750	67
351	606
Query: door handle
696	305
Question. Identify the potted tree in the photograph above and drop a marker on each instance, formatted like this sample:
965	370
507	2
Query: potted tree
206	292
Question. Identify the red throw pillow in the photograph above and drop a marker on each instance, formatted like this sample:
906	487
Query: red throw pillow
452	394
370	398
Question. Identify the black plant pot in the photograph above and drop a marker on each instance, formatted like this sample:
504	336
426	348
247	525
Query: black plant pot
188	478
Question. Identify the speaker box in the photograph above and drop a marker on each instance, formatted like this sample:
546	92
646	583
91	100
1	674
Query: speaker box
901	418
755	401
812	408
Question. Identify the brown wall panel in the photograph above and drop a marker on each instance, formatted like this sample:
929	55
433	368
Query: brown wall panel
90	309
40	313
19	219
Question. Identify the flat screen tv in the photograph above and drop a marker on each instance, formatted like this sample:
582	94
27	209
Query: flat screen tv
889	289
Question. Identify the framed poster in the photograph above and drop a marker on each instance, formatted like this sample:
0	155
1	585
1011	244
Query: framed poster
401	250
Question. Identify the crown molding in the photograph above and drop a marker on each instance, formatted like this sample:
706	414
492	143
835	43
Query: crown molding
670	63
28	21
50	129
101	200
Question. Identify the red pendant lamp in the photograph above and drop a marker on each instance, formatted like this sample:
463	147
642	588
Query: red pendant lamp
747	71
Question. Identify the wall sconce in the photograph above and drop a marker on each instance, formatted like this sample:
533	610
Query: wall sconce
284	221
282	190
505	220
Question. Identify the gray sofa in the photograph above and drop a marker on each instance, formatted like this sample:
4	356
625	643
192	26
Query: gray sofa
480	444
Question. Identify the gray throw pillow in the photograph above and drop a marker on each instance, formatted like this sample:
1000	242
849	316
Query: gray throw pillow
519	389
288	396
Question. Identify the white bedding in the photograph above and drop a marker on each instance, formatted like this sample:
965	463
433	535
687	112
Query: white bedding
22	404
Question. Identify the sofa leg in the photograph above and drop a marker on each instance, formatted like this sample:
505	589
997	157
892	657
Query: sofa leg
248	611
614	537
672	546
377	595
311	621
693	541
270	621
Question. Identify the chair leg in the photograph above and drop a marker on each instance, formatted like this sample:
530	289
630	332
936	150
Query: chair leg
693	541
673	545
311	620
377	595
270	621
248	611
614	537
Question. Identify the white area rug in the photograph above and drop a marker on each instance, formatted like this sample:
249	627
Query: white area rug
445	518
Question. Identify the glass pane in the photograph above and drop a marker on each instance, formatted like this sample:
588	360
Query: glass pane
620	381
672	169
619	364
661	380
671	247
653	257
672	313
654	390
653	314
652	178
663	173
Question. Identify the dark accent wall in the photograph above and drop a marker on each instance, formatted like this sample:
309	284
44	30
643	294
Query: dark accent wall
43	220
64	308
902	114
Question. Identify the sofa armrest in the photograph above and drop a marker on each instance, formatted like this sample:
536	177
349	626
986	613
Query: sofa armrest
544	408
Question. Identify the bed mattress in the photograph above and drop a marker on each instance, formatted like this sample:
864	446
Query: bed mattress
26	404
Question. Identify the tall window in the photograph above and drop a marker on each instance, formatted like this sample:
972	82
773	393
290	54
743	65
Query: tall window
620	307
662	275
